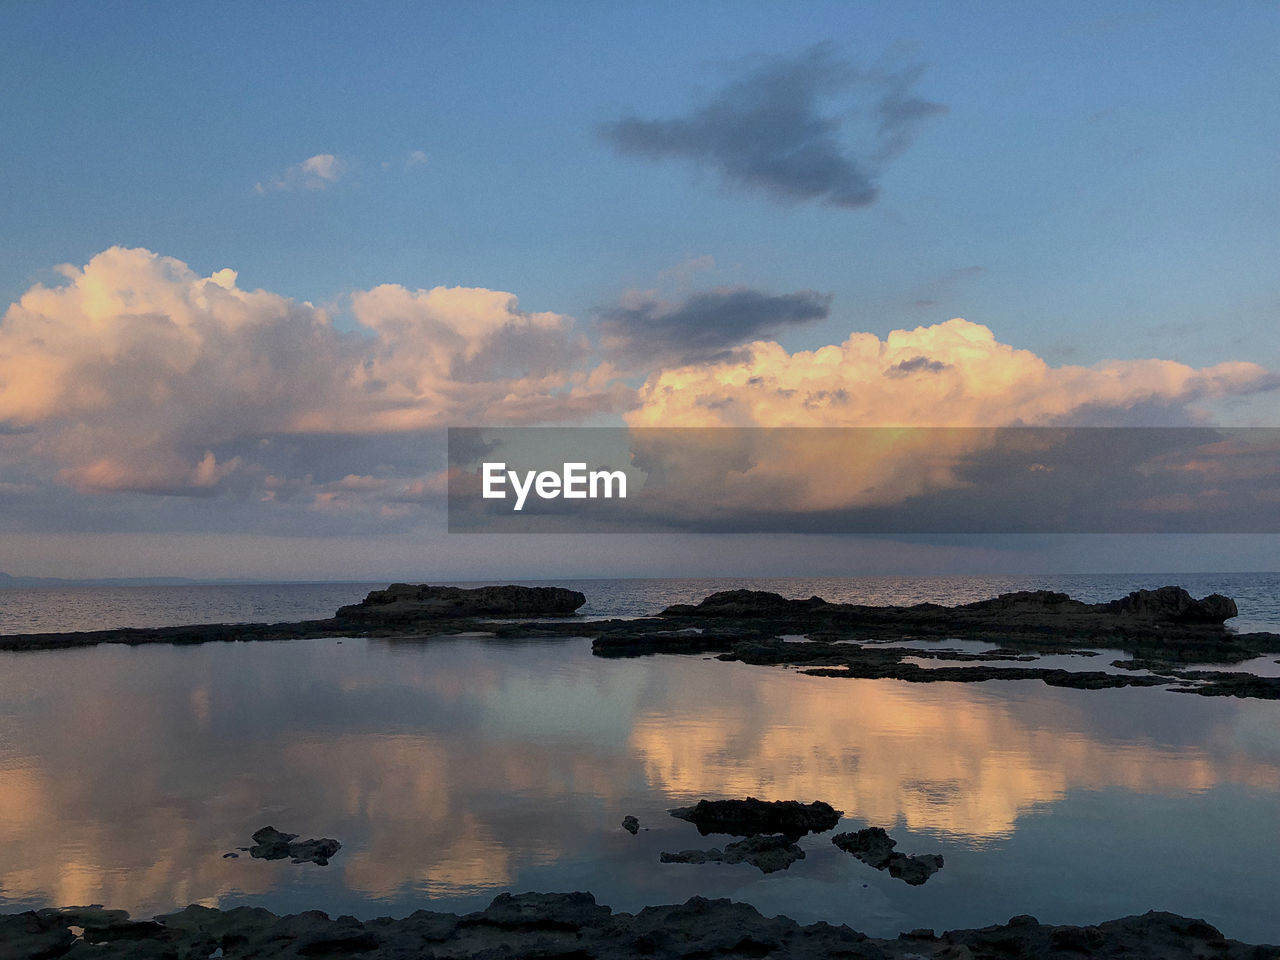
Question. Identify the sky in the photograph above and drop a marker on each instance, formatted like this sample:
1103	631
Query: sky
255	258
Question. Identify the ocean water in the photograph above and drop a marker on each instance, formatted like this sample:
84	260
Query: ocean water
452	769
51	609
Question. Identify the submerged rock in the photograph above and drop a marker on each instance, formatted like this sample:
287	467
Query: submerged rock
769	853
271	844
408	601
874	847
751	817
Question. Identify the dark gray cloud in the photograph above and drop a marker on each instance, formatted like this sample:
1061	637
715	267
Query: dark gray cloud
916	365
704	327
767	129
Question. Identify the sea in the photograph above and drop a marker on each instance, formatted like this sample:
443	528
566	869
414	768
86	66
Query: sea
452	769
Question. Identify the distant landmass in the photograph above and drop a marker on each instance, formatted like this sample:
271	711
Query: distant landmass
8	581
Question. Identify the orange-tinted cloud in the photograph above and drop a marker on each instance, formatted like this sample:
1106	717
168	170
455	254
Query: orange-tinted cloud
135	373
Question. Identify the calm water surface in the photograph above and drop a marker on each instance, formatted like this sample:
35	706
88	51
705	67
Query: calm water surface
453	769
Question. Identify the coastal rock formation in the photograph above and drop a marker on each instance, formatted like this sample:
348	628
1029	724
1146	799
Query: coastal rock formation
270	844
1173	605
874	847
402	602
769	853
1141	610
752	817
631	825
565	925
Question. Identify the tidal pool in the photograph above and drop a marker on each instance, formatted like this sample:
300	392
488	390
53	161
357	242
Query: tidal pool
454	769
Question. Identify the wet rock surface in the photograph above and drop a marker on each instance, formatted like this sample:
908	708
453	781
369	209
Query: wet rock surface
752	817
573	925
407	602
1167	631
631	825
874	847
768	853
271	844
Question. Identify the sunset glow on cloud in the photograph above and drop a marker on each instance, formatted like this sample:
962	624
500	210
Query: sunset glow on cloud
130	375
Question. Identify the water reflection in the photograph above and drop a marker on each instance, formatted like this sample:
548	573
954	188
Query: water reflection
453	768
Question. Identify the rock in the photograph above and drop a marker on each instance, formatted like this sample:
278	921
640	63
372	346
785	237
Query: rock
769	853
572	925
746	603
631	825
750	817
1173	604
403	602
271	844
914	870
874	847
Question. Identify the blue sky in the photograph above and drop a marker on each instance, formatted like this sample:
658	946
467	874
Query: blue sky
1093	183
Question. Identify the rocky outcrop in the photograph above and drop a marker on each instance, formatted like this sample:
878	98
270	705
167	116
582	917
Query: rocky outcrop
749	603
270	844
874	847
1172	605
573	925
403	602
401	610
631	825
1026	610
769	853
752	817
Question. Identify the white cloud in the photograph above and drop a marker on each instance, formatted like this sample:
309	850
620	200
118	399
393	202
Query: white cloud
315	173
953	374
139	374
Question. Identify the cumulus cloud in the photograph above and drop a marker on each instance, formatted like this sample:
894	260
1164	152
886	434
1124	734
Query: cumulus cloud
644	329
950	374
771	128
140	375
314	173
953	374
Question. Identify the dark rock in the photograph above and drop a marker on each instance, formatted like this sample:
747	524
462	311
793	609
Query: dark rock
874	847
403	602
271	844
572	926
542	911
1173	604
631	825
641	644
769	853
750	817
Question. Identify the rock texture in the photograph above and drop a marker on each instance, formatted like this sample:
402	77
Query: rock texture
572	926
270	844
752	817
769	853
403	602
874	847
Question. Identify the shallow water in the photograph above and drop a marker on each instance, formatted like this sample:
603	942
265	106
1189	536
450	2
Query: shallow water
453	769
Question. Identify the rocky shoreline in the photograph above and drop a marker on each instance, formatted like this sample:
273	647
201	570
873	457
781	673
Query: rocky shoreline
1170	635
572	926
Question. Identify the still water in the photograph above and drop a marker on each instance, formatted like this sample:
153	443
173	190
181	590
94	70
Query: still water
453	769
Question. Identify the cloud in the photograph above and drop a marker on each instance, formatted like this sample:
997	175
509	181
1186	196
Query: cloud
950	374
953	374
646	330
768	129
315	173
140	375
